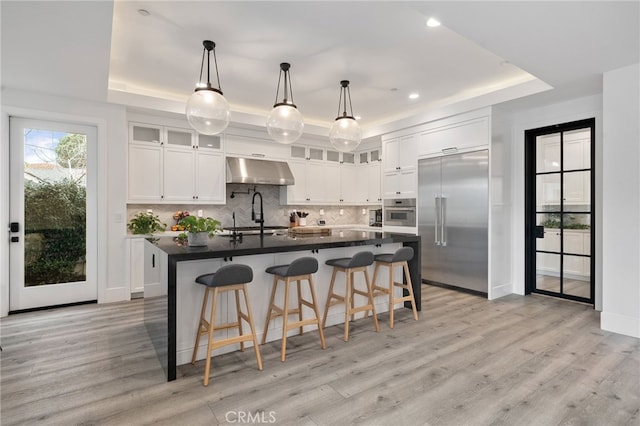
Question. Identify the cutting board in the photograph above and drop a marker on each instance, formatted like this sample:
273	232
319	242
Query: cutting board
310	230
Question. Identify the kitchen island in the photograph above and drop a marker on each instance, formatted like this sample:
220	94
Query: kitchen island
173	300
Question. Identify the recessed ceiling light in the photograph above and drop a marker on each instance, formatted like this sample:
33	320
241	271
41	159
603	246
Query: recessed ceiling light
144	12
433	22
414	96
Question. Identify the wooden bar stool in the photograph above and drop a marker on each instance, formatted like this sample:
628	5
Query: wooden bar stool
350	265
227	278
298	270
391	260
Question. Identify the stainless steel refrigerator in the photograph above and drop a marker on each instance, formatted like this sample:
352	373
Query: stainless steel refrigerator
453	222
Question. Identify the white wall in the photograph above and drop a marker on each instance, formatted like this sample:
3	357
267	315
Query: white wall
500	197
110	121
621	202
573	110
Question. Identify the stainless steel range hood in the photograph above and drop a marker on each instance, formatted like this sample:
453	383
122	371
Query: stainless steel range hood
250	170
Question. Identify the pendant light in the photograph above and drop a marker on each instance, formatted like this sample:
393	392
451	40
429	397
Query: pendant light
207	110
345	134
285	123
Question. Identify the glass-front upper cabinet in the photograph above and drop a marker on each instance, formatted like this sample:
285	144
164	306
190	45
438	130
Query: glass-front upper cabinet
209	142
180	137
307	152
145	133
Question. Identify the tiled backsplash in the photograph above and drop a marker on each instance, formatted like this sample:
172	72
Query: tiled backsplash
274	213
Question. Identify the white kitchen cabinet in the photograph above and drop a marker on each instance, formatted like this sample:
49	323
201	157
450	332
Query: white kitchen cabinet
576	157
400	154
375	183
136	265
399	184
170	165
369	184
323	183
248	146
400	165
194	175
316	183
577	150
454	137
145	172
341	157
296	194
349	185
577	183
179	174
575	242
370	156
210	182
304	152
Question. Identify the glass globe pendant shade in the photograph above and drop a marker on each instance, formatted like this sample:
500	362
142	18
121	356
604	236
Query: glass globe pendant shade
285	124
345	134
208	111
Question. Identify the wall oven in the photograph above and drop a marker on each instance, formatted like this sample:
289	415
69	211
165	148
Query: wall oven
400	212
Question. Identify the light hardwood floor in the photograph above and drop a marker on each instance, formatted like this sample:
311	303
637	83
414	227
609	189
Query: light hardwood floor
468	361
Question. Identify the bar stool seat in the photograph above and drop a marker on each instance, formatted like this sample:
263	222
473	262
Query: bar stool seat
298	270
391	260
350	265
227	278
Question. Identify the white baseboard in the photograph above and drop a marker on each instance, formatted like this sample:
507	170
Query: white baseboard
499	291
116	294
621	324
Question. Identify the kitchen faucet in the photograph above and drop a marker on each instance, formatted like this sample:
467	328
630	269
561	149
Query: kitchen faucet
260	218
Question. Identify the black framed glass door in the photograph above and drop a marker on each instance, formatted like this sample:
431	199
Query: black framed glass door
559	218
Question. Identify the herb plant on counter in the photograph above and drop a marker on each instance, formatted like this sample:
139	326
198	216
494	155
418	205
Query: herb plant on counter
200	224
146	223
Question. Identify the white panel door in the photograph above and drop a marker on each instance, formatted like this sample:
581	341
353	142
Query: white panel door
53	214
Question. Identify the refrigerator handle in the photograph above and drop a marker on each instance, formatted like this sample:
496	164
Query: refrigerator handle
443	221
437	222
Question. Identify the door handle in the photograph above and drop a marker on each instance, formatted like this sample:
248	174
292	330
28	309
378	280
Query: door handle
14	227
539	232
443	221
15	239
437	222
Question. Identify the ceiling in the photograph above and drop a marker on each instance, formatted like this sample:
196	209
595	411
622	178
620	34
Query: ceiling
109	51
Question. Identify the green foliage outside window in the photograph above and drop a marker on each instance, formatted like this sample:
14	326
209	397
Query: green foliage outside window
55	233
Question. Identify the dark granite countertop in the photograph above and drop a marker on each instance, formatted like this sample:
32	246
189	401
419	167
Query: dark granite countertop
224	246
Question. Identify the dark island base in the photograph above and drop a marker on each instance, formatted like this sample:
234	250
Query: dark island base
160	319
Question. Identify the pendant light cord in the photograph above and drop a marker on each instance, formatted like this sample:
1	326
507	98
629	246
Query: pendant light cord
342	99
284	68
278	89
201	66
215	61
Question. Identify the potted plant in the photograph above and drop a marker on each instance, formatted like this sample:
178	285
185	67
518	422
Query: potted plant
199	228
146	223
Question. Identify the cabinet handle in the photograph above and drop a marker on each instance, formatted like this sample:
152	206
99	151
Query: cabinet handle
257	155
153	260
162	196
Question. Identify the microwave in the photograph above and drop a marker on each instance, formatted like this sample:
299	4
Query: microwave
400	212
